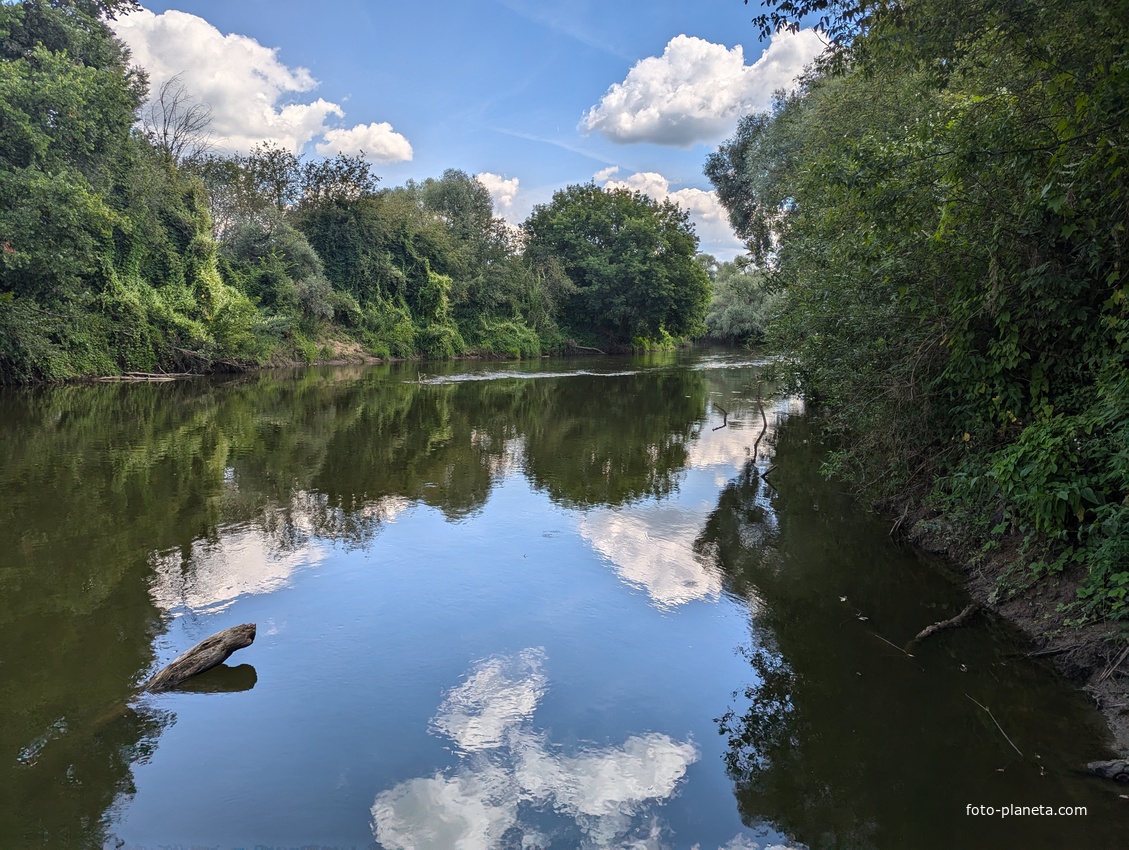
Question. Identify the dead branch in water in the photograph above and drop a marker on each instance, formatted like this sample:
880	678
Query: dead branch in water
149	377
952	622
764	426
208	653
888	643
998	726
724	417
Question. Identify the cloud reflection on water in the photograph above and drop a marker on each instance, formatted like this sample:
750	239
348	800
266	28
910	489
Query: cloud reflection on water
217	572
508	773
260	557
650	544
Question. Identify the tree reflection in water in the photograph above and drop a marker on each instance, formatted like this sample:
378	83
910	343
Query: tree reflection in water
841	740
126	504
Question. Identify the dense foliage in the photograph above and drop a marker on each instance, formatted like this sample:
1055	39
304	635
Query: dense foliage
632	260
108	261
743	303
125	246
943	205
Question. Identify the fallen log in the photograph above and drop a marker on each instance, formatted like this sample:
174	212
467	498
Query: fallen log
1115	769
574	344
958	620
135	379
205	655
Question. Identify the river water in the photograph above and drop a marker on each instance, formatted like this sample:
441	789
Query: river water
548	605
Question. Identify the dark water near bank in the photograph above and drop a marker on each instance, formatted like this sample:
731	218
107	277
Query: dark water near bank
549	605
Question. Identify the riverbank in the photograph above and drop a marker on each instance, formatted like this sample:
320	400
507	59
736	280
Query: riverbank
1094	656
334	352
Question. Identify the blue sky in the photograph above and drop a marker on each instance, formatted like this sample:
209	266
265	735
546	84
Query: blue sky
531	96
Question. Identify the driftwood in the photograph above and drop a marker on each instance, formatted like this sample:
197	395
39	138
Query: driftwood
958	620
205	655
1117	769
574	344
147	377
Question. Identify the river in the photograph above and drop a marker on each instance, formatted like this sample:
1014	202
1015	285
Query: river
541	605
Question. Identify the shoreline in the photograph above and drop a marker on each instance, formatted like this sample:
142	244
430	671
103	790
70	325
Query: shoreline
343	355
1092	657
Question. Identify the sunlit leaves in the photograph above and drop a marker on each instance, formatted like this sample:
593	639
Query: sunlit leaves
631	259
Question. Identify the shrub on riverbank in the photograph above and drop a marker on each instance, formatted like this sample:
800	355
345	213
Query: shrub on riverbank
944	217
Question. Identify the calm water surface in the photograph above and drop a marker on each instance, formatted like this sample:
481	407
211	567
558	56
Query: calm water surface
546	606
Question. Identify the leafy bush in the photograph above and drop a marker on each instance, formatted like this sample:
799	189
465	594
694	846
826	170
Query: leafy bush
387	330
743	304
512	338
440	342
943	203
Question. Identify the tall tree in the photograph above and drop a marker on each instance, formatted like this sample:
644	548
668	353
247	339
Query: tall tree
177	124
631	258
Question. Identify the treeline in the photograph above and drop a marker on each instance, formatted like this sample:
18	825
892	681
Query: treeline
125	246
942	206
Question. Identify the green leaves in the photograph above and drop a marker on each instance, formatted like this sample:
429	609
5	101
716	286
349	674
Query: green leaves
631	259
945	211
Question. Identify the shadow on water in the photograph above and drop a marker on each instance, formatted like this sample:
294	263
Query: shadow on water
841	739
221	680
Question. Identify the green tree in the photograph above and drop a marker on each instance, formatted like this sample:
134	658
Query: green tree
743	304
107	260
631	259
944	205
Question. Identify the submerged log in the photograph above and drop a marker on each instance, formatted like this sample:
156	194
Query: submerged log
205	655
1116	769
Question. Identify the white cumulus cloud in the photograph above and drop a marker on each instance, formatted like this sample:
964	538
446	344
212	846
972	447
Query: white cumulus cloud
244	83
379	142
502	189
696	90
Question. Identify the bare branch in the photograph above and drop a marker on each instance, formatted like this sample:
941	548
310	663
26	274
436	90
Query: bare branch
174	123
